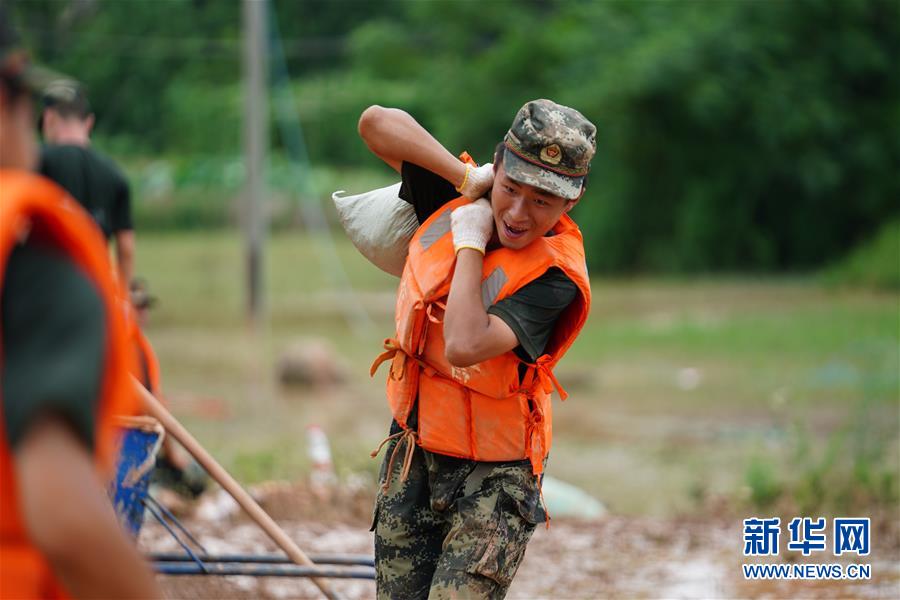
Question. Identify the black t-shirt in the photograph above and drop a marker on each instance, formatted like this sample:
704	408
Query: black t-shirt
53	328
533	310
92	179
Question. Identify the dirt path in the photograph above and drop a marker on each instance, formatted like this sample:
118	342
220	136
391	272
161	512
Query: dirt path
618	557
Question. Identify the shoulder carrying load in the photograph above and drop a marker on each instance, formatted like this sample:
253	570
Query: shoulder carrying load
488	411
380	224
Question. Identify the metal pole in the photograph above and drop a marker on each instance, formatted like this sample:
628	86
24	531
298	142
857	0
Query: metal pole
255	146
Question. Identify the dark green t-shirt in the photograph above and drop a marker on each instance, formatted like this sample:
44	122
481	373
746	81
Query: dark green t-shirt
53	328
92	179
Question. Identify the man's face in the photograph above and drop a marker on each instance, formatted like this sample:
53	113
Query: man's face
522	212
18	145
58	129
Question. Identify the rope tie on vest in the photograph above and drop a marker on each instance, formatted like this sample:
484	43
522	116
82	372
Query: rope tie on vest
546	378
409	437
540	483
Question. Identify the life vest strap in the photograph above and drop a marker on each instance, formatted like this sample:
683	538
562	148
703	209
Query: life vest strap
534	440
539	374
391	346
429	312
541	371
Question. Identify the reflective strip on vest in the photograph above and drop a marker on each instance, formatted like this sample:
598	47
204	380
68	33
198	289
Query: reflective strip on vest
438	228
490	287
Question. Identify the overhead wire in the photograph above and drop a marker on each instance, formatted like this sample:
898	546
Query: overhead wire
309	202
222	47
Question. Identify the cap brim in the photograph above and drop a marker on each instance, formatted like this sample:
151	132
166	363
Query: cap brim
37	78
523	171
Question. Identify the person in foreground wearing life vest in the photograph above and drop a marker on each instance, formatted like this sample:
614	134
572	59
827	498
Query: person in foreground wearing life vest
493	292
63	375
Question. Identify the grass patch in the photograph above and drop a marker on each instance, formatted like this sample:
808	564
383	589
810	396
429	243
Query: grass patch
205	193
766	355
874	263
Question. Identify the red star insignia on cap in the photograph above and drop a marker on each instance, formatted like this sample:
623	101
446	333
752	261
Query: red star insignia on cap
551	154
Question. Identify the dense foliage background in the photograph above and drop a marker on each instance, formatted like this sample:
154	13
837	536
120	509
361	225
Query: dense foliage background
733	135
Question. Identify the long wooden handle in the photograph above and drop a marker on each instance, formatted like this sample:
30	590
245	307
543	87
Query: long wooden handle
155	409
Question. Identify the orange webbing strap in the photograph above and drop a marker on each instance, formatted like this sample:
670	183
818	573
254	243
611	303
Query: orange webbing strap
429	307
467	394
467	158
409	437
392	347
429	312
534	441
540	375
546	377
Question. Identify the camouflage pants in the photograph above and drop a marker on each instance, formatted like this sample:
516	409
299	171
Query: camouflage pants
453	528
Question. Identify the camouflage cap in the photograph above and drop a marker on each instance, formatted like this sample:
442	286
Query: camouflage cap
550	146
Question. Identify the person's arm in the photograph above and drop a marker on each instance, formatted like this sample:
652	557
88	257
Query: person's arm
125	255
395	137
471	335
122	226
69	518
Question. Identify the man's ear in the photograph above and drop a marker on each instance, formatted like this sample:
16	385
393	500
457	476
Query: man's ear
89	123
571	203
44	121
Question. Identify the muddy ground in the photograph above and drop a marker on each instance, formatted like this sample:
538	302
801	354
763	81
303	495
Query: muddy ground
615	557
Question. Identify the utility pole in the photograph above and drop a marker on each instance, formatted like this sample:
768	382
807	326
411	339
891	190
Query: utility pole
255	148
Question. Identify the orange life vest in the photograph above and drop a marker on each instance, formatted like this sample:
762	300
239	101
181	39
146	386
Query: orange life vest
34	207
147	364
483	412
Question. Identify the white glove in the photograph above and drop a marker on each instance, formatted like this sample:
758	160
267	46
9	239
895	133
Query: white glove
472	225
478	181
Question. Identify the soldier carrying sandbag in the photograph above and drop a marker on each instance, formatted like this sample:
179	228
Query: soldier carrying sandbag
493	292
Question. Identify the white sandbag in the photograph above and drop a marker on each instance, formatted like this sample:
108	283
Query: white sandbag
380	224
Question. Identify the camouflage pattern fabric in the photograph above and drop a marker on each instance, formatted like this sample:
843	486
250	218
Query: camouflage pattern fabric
550	146
454	528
